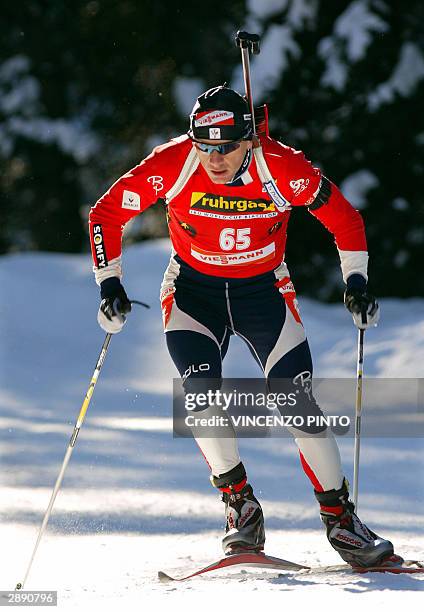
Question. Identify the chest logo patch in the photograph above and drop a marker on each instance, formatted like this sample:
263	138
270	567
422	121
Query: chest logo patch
222	207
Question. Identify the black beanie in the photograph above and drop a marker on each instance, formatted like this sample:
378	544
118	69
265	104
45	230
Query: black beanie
221	114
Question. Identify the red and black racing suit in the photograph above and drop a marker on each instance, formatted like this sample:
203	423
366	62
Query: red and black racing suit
227	273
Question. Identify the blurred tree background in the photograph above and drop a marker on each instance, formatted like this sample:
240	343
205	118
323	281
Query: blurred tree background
87	88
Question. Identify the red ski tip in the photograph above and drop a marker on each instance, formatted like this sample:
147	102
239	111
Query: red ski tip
260	560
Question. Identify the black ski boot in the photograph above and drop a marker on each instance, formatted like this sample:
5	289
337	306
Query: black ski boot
245	522
244	530
354	541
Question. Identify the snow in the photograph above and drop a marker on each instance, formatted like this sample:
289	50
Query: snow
135	500
298	11
354	27
24	115
17	98
186	90
356	186
277	45
400	204
335	73
71	136
406	75
265	8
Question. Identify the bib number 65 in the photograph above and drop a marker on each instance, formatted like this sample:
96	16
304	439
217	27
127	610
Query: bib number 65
230	238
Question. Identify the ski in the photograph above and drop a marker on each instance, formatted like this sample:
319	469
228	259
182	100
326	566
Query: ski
394	566
260	560
407	567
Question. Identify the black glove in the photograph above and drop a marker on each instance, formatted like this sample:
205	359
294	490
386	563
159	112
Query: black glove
114	305
363	306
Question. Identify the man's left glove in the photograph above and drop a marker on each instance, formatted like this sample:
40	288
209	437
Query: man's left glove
363	306
114	306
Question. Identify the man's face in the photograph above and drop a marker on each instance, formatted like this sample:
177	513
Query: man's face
221	168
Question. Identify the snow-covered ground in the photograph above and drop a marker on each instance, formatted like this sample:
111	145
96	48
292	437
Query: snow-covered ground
135	500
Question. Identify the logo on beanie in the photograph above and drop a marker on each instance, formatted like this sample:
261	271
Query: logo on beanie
216	117
214	133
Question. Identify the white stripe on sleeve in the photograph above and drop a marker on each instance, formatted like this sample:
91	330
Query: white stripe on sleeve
354	262
113	268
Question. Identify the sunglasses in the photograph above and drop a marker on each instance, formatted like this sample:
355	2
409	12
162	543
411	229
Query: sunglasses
223	149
